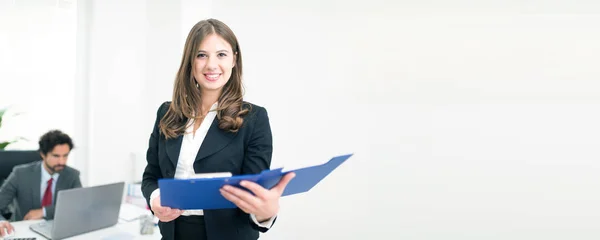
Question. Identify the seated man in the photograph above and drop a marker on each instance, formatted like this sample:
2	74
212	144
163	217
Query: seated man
35	185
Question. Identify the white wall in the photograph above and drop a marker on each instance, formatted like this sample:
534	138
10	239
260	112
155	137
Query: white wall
37	70
116	73
468	120
133	51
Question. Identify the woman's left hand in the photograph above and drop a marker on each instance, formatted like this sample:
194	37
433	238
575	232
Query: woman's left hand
264	204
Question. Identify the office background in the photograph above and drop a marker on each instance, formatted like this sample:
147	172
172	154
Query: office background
468	119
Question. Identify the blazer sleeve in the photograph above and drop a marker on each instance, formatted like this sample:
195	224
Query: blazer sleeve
259	151
152	171
8	191
77	181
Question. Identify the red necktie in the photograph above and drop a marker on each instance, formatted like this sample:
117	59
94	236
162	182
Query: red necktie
47	200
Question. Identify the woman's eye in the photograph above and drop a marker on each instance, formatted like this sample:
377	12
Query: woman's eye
222	55
201	55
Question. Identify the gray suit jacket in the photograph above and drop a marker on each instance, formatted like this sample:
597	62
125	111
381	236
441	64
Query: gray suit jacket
23	187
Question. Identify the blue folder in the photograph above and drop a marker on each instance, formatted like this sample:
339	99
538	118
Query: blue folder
204	193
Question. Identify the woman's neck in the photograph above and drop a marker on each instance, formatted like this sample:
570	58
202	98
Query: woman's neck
208	99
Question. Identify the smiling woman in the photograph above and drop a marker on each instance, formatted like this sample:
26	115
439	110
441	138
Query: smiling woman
211	70
207	127
213	64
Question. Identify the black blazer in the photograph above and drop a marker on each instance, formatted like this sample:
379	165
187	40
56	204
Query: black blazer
248	151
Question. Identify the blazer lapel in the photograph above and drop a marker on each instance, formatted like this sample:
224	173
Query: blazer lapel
173	147
61	184
36	178
215	140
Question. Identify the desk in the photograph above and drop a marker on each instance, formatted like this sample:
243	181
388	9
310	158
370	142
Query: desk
122	230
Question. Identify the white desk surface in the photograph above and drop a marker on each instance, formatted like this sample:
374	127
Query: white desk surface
121	231
125	231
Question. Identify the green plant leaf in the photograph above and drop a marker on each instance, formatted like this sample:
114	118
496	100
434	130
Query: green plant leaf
2	111
4	144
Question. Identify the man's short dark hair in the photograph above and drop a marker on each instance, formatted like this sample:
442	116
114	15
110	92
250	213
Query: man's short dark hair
53	138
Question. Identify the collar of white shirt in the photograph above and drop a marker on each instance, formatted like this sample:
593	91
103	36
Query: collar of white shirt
46	176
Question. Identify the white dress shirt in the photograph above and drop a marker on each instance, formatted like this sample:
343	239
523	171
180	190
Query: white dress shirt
187	155
44	184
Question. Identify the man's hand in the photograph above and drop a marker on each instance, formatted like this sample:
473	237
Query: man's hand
34	214
164	214
5	228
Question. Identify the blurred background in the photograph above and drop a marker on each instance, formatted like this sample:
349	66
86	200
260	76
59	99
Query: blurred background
468	119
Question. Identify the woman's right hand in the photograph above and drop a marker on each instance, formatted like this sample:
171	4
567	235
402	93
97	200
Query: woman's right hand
164	214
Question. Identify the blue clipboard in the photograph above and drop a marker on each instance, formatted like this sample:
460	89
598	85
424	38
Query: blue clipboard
204	193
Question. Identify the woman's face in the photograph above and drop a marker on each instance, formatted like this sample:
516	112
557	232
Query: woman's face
213	63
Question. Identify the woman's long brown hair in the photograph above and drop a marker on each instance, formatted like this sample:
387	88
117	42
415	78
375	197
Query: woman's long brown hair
186	96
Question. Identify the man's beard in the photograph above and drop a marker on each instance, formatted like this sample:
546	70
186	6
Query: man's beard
56	168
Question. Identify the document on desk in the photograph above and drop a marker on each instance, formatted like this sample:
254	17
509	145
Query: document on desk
203	193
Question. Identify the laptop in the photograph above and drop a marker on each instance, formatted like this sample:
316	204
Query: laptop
82	210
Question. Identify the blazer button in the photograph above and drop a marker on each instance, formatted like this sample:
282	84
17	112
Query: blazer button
169	173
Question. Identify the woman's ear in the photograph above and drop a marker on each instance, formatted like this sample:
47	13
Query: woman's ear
234	58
